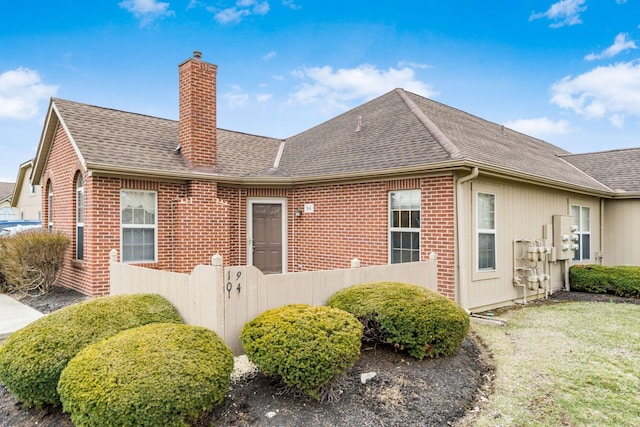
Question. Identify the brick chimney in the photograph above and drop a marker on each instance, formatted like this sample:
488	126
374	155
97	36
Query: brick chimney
197	124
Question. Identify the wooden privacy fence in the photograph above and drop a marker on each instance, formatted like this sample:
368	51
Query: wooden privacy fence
223	299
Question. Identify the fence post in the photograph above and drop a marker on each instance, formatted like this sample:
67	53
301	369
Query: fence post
218	293
113	259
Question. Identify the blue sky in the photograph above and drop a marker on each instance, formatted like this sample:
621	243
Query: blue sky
566	71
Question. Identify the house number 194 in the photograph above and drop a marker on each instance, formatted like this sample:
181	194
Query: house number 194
230	284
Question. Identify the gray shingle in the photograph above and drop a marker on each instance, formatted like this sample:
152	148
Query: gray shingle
618	169
6	189
390	136
117	138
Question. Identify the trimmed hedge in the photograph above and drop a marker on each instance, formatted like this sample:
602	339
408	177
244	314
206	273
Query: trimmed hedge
32	358
408	317
161	374
307	346
622	280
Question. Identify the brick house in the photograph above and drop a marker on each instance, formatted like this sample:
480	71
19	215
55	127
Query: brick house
392	180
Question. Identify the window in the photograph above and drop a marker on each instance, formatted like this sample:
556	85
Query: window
138	221
7	214
79	219
486	229
404	226
582	219
32	190
50	207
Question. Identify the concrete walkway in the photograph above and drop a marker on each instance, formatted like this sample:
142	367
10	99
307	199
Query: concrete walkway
14	315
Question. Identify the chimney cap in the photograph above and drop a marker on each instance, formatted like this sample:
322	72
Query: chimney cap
197	54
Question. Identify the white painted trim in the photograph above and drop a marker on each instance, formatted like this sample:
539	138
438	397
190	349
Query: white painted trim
155	226
249	243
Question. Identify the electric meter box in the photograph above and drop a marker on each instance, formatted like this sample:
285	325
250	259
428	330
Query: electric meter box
563	237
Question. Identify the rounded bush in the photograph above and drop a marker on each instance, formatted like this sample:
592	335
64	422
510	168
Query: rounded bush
32	358
409	317
306	346
161	374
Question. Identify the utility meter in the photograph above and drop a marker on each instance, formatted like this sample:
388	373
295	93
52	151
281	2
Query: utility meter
563	236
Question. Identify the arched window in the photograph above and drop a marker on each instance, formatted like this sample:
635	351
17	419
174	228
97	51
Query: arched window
79	218
50	206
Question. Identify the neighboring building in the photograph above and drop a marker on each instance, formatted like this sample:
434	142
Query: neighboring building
392	180
27	197
7	213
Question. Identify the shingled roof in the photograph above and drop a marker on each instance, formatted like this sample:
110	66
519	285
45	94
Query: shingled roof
120	139
618	169
6	190
396	131
402	129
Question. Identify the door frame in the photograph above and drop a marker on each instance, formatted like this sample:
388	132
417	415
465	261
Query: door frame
282	201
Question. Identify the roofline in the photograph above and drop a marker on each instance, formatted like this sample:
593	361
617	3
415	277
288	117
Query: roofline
51	123
447	145
17	187
95	169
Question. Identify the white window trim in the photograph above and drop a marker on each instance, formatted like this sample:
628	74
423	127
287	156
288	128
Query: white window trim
580	232
285	246
79	189
479	231
50	207
147	226
402	229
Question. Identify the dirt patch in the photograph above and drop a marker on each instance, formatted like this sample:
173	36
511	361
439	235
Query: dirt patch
404	391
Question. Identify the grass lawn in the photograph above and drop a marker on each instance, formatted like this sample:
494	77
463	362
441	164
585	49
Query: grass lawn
568	364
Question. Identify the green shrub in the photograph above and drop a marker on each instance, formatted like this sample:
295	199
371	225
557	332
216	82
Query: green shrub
304	345
621	280
161	374
32	358
31	261
409	317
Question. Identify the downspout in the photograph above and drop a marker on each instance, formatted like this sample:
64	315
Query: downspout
600	255
460	249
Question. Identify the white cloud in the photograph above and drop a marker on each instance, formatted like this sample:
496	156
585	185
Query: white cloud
291	4
540	127
242	9
21	91
609	91
146	11
263	97
334	89
269	56
564	12
619	45
238	98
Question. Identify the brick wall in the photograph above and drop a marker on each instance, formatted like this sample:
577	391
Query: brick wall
197	121
351	220
198	219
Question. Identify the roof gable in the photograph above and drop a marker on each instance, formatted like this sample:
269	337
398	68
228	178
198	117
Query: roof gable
379	135
108	139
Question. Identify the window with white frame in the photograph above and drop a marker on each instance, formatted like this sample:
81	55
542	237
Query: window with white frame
79	218
404	226
50	207
486	231
582	220
139	225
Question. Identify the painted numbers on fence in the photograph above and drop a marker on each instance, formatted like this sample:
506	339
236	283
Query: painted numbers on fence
234	280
